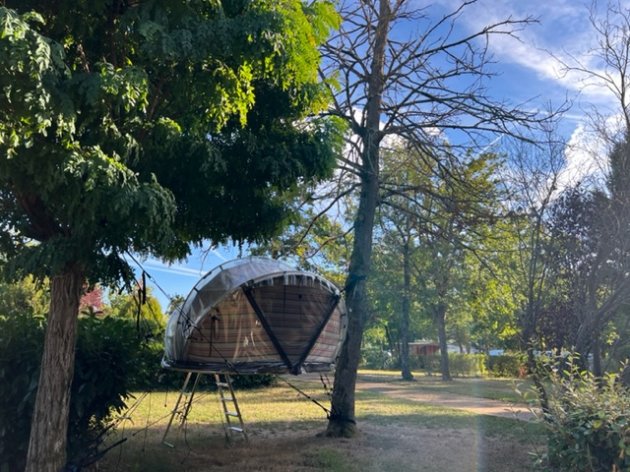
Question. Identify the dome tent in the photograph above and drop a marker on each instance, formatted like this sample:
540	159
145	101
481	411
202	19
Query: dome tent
256	315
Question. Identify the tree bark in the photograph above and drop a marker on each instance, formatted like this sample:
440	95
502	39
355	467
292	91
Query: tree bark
441	325
405	369
342	421
49	425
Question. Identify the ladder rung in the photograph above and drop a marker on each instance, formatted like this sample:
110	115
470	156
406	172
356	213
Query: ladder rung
236	428
232	413
222	384
225	399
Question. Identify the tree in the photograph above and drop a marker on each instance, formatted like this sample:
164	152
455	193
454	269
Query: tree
592	256
603	275
146	126
140	306
391	286
392	86
456	221
532	178
26	296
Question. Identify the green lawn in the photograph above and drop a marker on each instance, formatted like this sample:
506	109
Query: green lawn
508	390
396	434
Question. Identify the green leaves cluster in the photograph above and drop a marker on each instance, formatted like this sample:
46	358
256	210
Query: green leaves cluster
588	423
148	126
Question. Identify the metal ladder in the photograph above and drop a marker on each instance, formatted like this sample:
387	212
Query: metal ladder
227	399
183	412
229	406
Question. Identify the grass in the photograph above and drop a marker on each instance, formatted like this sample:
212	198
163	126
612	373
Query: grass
283	425
502	389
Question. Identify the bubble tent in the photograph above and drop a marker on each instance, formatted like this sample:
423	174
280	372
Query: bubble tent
257	315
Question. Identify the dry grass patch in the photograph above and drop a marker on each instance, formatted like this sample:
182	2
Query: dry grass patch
395	435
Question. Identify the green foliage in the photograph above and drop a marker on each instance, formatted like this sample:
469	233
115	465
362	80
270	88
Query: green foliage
507	365
111	362
21	338
125	305
374	357
588	423
105	372
461	365
99	102
246	382
23	296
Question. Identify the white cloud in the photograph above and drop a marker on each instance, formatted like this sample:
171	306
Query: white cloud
583	155
561	36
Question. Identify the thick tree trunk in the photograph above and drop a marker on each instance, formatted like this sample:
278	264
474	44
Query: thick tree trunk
441	325
49	425
405	369
342	421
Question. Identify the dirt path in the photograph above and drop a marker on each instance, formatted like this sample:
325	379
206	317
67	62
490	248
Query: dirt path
481	406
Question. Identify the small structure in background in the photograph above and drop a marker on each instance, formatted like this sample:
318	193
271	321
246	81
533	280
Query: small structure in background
254	316
423	348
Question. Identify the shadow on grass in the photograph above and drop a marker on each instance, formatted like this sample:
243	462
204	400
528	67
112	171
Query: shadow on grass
391	441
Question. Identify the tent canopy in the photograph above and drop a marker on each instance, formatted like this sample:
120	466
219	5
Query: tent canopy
256	315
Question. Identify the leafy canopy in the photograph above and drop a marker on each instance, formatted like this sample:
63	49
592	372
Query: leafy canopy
148	126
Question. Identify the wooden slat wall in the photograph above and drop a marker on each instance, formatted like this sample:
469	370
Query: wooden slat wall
233	332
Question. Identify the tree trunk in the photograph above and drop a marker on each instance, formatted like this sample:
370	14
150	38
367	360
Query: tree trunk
597	356
532	365
342	421
49	425
405	370
441	325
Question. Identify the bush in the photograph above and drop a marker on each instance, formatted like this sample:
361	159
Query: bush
21	338
460	365
507	365
106	368
467	365
588	423
245	382
376	358
430	363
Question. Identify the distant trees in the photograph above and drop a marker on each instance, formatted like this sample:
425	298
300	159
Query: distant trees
577	280
434	218
413	87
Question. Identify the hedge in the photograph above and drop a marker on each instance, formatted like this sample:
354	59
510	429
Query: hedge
588	423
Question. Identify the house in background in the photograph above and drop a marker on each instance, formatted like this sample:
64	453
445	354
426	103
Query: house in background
423	348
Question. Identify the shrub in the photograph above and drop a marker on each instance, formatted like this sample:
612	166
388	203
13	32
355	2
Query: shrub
21	338
105	372
376	358
588	423
467	365
507	365
460	365
244	382
430	363
106	368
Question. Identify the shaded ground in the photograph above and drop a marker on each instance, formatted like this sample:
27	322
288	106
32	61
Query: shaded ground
404	427
378	448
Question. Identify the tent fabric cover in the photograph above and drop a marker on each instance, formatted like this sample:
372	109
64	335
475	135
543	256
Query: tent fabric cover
256	315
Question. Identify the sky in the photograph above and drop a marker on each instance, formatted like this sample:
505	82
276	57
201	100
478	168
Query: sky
528	70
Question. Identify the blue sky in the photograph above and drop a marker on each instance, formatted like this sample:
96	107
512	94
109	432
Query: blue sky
527	70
